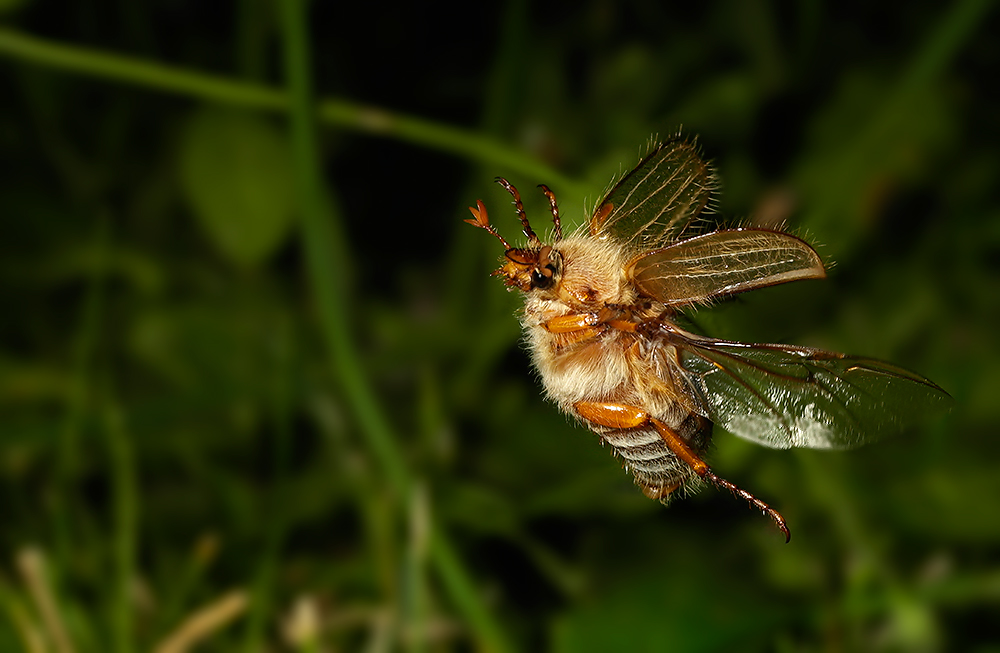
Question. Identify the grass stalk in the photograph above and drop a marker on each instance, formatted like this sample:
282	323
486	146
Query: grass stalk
133	71
323	240
87	338
34	571
125	493
261	606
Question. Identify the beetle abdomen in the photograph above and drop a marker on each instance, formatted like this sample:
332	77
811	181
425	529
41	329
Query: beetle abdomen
657	469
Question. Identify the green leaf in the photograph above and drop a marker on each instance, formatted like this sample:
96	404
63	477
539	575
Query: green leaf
236	172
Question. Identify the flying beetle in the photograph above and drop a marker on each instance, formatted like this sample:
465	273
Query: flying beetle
601	319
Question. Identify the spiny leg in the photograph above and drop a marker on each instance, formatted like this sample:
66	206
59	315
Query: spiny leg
621	416
685	453
752	500
554	208
519	207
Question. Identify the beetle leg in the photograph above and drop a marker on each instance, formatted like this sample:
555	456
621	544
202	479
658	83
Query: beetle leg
622	325
572	322
622	416
577	321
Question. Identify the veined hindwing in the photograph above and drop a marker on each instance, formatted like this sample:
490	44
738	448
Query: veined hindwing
782	396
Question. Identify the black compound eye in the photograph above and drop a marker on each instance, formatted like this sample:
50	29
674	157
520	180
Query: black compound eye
544	275
543	278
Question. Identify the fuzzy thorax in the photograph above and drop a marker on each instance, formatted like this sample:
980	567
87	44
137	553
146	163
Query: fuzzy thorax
598	363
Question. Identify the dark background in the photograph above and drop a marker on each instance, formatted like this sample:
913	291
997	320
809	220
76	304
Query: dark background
324	433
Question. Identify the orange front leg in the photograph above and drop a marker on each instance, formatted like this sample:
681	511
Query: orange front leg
575	327
623	416
572	322
623	325
580	321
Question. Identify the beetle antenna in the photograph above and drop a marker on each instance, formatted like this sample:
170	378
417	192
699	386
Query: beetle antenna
555	209
532	238
483	221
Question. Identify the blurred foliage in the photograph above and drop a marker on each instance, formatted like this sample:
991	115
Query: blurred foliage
238	408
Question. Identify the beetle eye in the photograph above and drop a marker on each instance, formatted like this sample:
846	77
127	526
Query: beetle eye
546	269
543	278
540	280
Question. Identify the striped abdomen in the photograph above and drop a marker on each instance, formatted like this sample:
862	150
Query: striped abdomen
657	470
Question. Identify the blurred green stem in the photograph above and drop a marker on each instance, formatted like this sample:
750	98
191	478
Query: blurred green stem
323	242
125	513
277	526
465	143
325	245
414	604
86	345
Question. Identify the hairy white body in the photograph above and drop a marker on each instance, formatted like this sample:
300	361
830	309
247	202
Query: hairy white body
603	364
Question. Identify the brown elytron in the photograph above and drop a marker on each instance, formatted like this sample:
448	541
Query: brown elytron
600	311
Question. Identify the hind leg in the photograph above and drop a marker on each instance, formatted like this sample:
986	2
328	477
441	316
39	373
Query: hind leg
622	416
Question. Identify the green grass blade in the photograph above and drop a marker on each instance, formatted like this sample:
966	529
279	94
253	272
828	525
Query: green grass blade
342	113
323	240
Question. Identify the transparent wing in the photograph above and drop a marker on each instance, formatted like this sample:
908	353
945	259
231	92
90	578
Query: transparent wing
654	203
782	396
723	263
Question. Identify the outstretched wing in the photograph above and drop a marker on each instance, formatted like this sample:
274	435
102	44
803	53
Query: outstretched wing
653	204
781	396
721	263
